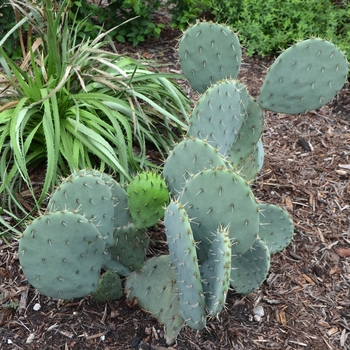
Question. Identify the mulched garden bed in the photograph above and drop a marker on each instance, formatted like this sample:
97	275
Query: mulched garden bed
306	297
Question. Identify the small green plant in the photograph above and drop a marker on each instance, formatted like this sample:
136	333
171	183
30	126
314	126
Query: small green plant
135	18
73	104
184	12
267	26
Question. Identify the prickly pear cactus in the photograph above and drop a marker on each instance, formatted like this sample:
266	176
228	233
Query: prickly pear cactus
304	77
188	158
216	197
217	116
215	272
276	227
130	246
156	290
182	249
248	135
249	270
111	264
148	196
61	255
122	214
209	52
252	164
90	196
109	288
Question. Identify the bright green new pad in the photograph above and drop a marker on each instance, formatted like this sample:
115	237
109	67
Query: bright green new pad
217	197
276	227
148	196
209	52
304	77
215	272
91	197
61	255
182	249
217	115
156	290
250	269
187	158
109	288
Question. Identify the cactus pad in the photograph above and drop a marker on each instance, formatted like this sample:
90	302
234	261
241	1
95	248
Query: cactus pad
215	272
251	165
209	52
122	214
276	227
156	290
182	248
217	116
217	197
304	77
130	247
91	197
148	196
188	158
109	288
249	134
61	255
249	270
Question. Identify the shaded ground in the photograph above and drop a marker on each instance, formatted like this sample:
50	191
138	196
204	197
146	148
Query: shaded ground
306	297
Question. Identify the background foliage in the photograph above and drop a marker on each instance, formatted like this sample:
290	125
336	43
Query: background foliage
267	26
142	23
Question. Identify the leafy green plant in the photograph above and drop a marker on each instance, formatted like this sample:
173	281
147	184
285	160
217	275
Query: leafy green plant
136	16
72	104
267	26
184	12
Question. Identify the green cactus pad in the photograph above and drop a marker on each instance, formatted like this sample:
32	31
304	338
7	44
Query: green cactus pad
122	214
249	134
304	77
209	52
110	264
109	288
130	247
217	117
182	248
215	272
156	290
186	159
148	196
276	227
217	197
91	197
251	165
61	255
249	270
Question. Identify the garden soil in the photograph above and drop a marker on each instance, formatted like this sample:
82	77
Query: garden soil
306	296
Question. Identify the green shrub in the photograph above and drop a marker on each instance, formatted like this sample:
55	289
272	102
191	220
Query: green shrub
267	26
187	11
139	14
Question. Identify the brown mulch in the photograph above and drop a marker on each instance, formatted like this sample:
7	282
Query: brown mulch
306	297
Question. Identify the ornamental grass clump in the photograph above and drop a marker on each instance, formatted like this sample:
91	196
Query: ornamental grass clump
73	103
